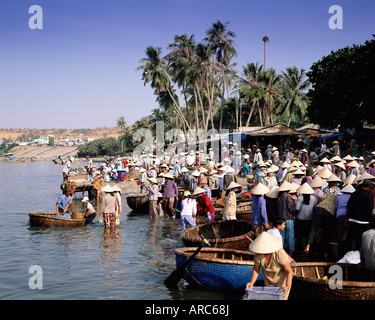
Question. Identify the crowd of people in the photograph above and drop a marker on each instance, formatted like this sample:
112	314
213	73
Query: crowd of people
315	199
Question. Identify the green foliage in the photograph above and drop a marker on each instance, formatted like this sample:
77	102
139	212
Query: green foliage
343	87
100	147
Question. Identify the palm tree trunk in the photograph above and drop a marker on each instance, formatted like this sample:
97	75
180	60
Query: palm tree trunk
260	117
196	111
265	55
251	113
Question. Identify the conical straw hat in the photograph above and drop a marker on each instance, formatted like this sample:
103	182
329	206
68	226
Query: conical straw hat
265	243
333	178
348	189
319	167
273	193
274	168
260	189
305	189
285	186
294	187
198	190
335	158
350	179
340	164
325	160
348	158
299	171
184	169
285	165
117	189
317	182
324	173
153	180
107	188
365	176
353	164
233	185
169	176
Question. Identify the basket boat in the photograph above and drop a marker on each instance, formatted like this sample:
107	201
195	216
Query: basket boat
138	203
217	268
230	234
49	220
314	279
243	212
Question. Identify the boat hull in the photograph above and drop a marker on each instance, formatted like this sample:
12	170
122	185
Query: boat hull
49	220
315	280
215	268
232	234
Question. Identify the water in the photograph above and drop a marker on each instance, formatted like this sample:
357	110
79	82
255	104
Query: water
129	263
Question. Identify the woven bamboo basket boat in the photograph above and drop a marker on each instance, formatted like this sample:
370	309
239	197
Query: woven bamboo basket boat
217	268
231	234
138	203
316	279
49	220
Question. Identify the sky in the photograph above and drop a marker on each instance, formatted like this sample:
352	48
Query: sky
79	71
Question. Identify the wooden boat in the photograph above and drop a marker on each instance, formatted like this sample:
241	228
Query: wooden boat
17	160
217	268
138	203
49	220
35	159
314	279
230	234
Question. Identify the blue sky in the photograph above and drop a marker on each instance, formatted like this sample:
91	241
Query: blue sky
79	71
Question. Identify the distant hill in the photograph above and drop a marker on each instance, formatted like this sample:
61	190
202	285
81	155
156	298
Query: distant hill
16	134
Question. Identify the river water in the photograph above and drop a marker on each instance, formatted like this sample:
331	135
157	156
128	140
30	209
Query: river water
130	263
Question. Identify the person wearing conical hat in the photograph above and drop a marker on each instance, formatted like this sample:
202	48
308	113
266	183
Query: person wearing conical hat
359	217
170	195
340	205
271	257
258	156
259	217
109	204
332	187
260	172
275	156
336	148
286	206
305	206
297	177
204	204
188	211
229	211
118	211
270	180
153	192
353	168
304	157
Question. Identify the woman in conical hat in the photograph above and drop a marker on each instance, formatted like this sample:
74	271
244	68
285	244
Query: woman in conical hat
204	204
229	211
274	261
305	206
332	187
340	205
259	217
109	204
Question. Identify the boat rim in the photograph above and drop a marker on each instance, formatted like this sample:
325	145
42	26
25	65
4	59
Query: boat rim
186	252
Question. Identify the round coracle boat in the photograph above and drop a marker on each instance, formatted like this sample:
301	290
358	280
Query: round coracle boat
230	234
50	220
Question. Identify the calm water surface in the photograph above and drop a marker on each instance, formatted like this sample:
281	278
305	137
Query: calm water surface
82	263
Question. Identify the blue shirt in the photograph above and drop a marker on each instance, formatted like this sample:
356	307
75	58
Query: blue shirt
63	201
259	215
341	202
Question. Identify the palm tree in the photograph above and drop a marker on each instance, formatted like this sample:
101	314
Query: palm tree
154	72
121	123
219	39
265	40
248	87
294	84
270	92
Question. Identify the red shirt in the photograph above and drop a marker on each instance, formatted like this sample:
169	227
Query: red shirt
204	205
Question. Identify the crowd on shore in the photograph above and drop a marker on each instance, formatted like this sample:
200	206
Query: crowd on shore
313	198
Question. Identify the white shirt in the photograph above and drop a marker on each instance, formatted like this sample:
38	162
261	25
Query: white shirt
66	167
189	207
276	233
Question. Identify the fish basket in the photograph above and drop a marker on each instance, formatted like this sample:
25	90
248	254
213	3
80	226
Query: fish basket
264	293
78	215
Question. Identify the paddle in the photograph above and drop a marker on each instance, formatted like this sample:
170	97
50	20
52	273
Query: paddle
178	274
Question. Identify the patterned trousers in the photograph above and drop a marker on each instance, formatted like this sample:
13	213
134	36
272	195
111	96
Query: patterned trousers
288	235
109	220
153	209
